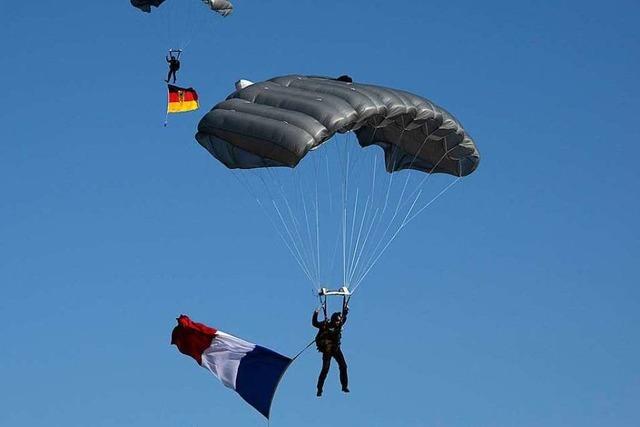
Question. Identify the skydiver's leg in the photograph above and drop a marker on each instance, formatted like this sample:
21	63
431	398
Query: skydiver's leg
168	76
326	364
342	364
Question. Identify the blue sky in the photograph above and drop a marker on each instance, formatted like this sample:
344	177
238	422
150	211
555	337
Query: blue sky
513	301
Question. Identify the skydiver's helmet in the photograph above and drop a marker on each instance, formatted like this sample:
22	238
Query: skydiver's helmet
336	317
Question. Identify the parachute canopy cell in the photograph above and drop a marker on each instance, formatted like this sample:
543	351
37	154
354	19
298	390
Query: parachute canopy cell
223	7
279	121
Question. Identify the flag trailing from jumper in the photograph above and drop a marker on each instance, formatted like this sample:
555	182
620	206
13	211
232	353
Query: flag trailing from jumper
251	370
182	99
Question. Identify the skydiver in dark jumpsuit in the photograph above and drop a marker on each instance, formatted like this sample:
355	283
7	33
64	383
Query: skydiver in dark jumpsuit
174	65
328	343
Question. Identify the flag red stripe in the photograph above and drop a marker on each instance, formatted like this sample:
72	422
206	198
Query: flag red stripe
192	338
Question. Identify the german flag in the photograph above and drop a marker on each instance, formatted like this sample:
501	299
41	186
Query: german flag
182	99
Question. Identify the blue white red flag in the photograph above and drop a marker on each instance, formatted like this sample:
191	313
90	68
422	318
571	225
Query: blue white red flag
251	370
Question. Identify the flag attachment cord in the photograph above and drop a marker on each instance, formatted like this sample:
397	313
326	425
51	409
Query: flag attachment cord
303	350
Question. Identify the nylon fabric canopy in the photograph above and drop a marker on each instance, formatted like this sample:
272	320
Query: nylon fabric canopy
279	121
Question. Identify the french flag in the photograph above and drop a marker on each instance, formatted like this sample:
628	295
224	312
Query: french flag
251	370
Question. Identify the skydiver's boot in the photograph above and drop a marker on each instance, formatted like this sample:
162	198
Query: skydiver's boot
319	393
345	389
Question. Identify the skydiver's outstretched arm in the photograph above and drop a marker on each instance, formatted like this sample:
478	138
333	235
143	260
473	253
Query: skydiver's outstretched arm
314	320
345	311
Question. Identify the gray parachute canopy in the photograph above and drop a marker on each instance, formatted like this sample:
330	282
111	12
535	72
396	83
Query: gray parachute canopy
223	7
277	122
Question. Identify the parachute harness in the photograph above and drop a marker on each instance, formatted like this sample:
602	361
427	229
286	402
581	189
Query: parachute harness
323	293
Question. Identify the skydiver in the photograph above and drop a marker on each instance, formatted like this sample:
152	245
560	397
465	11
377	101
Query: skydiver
328	343
174	65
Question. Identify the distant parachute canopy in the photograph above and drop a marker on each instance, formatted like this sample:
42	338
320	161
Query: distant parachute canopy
277	122
223	7
145	5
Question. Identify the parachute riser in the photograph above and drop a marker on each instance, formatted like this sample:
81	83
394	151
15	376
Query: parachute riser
176	51
323	293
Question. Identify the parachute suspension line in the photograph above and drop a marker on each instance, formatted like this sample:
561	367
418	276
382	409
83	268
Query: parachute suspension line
409	173
191	25
312	244
377	211
326	157
351	174
357	207
294	221
304	252
364	244
345	183
400	203
431	201
168	14
186	25
275	226
404	223
370	202
354	252
191	30
334	253
317	212
394	159
331	180
292	245
299	179
407	219
424	181
352	231
342	156
370	198
199	24
314	232
296	257
305	268
372	222
382	212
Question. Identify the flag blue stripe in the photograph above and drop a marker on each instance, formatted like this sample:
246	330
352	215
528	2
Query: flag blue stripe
258	376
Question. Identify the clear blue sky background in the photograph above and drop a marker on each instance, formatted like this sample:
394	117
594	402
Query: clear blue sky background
522	310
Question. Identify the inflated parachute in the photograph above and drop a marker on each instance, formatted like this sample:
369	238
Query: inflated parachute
277	122
328	198
223	7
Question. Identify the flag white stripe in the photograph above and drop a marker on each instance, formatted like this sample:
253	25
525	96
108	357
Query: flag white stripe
223	357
